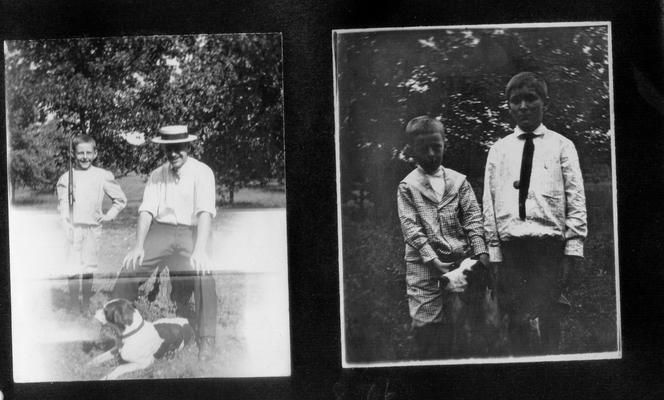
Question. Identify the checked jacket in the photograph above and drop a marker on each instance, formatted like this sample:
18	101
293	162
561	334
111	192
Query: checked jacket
449	227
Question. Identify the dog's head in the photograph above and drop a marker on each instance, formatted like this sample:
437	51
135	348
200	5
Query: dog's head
116	312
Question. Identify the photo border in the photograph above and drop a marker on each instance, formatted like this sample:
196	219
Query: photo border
617	354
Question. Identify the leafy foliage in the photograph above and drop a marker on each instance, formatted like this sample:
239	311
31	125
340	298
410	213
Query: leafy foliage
386	78
227	88
37	159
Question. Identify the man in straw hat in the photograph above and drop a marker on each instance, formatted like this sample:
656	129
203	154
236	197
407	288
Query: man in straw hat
173	230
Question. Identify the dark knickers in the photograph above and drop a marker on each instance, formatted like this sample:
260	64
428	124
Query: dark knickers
529	289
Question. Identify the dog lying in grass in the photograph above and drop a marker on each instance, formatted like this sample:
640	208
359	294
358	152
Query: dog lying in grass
139	342
477	323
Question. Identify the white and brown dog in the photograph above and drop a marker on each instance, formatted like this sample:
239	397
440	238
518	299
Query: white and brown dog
475	312
140	342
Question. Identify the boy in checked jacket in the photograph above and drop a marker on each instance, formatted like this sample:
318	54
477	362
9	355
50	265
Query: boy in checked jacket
441	224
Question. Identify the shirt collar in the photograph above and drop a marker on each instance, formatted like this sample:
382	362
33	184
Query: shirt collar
539	131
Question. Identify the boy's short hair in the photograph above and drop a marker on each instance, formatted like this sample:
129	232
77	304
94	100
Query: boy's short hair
528	79
79	139
422	125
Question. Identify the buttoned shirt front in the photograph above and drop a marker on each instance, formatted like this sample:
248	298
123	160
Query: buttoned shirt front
555	204
90	187
445	225
177	197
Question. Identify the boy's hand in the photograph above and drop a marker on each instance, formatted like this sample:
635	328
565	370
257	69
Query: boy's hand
439	265
566	265
134	258
484	259
105	218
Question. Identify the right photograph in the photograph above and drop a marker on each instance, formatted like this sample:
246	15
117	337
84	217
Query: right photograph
476	191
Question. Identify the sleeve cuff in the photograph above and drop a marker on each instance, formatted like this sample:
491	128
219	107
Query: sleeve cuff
574	247
478	245
147	210
212	211
427	253
495	254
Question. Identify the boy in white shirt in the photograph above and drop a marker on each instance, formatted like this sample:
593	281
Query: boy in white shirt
83	226
534	217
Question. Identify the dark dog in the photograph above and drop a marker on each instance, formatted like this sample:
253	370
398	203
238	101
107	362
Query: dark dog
139	342
477	324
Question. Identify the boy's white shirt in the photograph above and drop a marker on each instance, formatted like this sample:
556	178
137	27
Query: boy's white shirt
555	206
90	187
437	182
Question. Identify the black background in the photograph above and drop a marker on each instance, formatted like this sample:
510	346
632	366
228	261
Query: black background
638	44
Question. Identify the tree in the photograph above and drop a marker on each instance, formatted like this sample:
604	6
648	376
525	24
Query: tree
227	88
36	157
230	91
386	78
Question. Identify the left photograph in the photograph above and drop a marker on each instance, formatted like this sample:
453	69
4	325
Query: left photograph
147	207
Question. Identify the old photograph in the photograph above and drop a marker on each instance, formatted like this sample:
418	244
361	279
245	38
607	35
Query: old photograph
147	207
476	185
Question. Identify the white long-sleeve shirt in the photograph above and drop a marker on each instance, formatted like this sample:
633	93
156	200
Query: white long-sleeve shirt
556	203
177	197
90	187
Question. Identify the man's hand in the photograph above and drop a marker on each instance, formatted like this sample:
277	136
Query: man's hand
484	259
134	258
566	266
200	261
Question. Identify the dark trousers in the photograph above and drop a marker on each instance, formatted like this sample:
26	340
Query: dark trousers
432	341
171	246
528	292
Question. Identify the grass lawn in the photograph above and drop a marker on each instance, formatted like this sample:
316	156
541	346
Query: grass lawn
377	324
70	361
249	298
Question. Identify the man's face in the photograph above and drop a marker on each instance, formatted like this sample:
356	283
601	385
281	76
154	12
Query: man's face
527	108
85	154
428	150
176	154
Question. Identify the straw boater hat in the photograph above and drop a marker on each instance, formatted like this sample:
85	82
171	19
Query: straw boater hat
174	134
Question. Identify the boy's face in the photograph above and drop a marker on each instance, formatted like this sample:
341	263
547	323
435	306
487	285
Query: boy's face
527	108
85	154
176	153
428	150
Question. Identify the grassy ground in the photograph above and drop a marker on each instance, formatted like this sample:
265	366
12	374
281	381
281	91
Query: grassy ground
239	293
376	308
70	361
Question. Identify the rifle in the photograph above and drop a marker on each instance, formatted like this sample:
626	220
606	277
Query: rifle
70	186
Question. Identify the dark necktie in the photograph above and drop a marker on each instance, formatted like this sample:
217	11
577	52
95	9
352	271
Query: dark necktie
526	169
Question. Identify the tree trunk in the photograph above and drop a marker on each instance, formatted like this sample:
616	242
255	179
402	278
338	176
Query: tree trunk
231	194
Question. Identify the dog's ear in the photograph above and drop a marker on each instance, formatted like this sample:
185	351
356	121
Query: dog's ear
127	313
118	318
120	313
